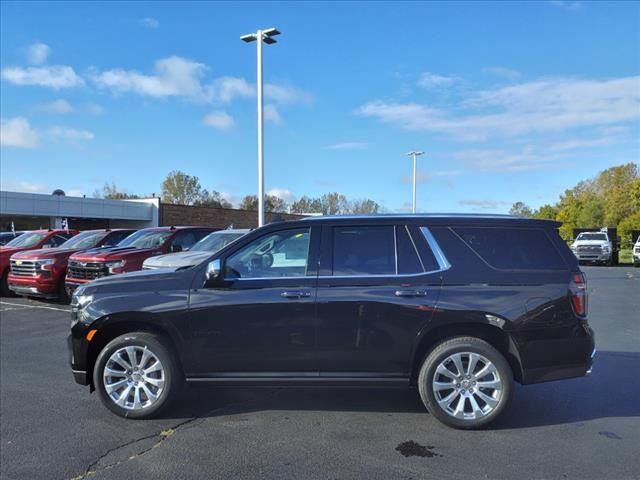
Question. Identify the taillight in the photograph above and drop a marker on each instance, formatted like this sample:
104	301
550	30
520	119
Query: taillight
578	292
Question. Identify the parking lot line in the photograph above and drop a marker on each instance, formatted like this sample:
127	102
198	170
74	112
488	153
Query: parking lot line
33	306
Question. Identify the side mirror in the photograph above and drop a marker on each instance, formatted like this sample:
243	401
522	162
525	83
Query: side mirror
213	269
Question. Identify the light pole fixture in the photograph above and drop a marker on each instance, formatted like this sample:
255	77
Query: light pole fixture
415	154
260	36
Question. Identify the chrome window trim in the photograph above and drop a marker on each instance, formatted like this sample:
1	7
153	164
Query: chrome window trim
443	263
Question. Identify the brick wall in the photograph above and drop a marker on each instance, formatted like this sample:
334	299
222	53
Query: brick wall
215	217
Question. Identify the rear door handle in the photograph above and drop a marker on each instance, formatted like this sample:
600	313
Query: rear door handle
411	293
295	294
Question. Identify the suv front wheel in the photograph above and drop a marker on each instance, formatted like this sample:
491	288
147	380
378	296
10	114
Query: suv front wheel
136	375
465	383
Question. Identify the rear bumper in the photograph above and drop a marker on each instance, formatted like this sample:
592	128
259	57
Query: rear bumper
559	358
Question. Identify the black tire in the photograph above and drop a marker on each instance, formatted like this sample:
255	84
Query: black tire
4	285
166	356
439	354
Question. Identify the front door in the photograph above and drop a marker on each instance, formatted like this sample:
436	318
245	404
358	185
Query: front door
259	320
375	295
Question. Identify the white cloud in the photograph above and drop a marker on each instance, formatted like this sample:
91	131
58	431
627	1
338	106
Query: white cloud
54	76
66	133
286	94
38	53
57	106
431	80
571	5
349	146
547	105
282	193
483	205
271	114
149	22
228	88
502	72
94	108
219	120
24	186
16	132
172	77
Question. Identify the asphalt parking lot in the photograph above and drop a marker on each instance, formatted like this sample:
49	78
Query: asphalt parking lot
51	428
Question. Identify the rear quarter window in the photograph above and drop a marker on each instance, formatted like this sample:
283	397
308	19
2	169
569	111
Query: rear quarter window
512	248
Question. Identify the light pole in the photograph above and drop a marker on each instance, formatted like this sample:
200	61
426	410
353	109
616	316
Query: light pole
266	37
415	154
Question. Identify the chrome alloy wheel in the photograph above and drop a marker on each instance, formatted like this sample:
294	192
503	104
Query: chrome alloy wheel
467	386
133	377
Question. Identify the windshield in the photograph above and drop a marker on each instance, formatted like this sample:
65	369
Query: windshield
592	236
215	241
26	240
84	240
145	239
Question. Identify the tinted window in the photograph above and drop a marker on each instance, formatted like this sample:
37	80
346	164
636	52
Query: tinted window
513	248
408	260
57	240
364	251
115	237
279	254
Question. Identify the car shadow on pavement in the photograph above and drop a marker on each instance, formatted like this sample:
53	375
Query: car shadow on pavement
608	392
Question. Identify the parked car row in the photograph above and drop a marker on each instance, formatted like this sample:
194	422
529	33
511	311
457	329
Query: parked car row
53	263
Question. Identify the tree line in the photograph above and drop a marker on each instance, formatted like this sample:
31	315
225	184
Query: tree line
182	189
610	199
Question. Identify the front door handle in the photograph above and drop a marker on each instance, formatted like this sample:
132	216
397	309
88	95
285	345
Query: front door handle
295	294
410	293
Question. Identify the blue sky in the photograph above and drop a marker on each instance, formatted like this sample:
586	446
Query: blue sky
509	100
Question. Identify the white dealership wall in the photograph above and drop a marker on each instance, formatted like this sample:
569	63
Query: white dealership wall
138	213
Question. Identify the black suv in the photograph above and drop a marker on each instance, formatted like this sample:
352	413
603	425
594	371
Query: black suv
459	305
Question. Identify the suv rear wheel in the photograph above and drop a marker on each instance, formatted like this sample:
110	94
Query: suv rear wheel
465	383
136	375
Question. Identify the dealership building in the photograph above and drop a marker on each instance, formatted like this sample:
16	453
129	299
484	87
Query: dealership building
29	211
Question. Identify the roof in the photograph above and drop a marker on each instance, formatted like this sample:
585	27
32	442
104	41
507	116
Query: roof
441	218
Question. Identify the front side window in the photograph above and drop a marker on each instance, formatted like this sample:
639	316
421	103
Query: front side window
368	250
56	241
279	254
146	239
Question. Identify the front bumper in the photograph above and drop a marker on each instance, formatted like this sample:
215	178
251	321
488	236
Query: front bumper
593	257
33	286
30	291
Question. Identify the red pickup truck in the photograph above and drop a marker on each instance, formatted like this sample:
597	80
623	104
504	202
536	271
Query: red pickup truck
130	253
36	239
40	273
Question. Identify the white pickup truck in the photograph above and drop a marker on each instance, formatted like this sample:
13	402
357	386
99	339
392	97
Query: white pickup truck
593	247
636	253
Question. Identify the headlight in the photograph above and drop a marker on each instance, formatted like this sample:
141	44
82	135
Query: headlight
112	266
82	301
44	262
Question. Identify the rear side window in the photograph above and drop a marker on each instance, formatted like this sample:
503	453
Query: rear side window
408	260
513	248
364	251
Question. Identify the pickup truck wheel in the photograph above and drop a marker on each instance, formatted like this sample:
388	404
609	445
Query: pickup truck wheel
4	285
136	375
465	383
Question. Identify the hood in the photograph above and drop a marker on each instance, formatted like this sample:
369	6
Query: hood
46	253
8	251
177	260
140	281
590	242
115	253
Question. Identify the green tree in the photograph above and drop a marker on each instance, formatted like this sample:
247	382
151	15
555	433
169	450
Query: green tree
212	199
272	203
546	212
181	189
307	205
521	209
364	206
626	226
111	191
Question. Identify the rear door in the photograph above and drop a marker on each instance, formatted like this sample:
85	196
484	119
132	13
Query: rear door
375	293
